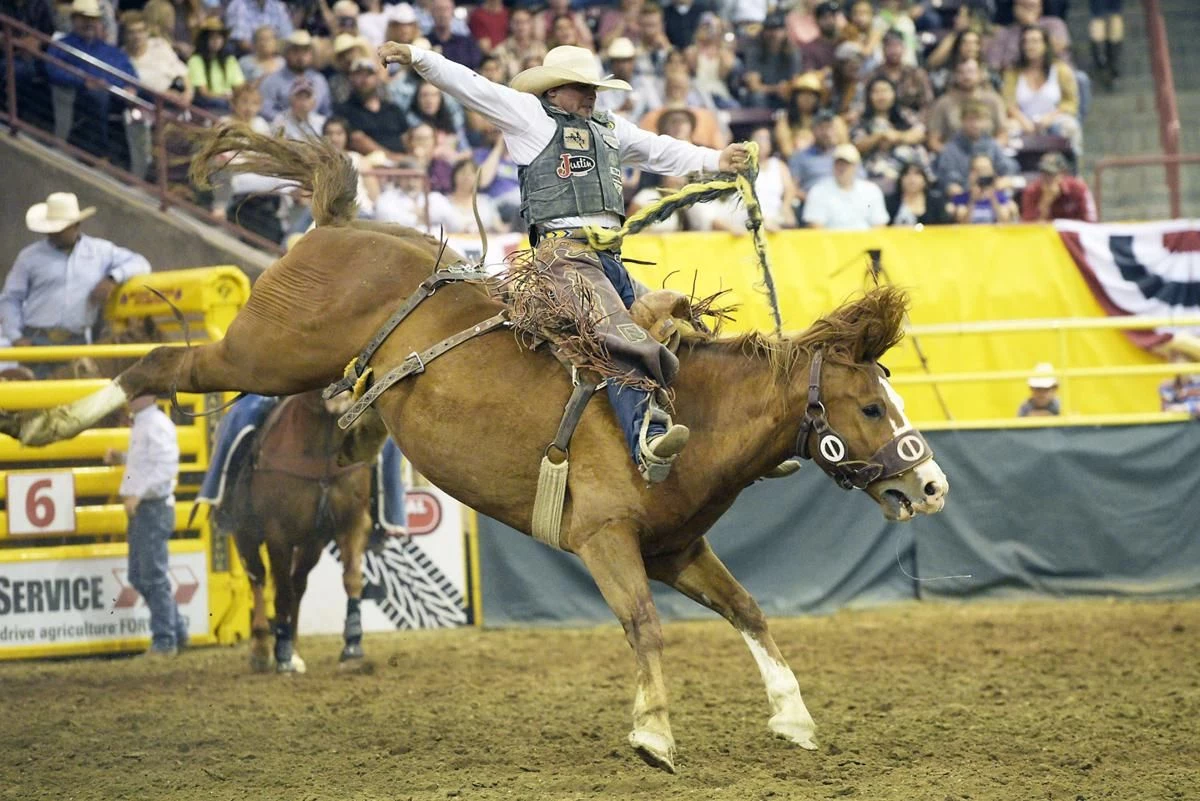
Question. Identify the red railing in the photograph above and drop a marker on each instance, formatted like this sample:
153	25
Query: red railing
164	111
1164	100
1120	162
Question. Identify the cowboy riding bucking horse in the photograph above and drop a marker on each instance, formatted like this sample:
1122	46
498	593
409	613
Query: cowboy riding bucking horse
570	160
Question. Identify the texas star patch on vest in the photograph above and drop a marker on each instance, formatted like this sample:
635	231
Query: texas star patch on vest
575	165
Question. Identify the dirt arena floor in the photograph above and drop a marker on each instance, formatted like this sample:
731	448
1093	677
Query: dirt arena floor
938	702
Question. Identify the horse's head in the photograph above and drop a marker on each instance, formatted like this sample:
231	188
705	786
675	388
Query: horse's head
854	425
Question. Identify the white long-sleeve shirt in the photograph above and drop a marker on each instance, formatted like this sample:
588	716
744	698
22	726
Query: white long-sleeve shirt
528	129
152	464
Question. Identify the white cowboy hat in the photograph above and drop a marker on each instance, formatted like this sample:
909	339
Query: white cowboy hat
1043	376
563	65
86	8
59	212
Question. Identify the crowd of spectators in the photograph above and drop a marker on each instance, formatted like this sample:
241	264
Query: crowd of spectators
868	112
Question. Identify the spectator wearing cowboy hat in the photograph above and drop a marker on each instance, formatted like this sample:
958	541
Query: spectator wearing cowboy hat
1043	398
56	288
244	17
86	97
1056	194
298	58
212	69
644	96
347	49
845	201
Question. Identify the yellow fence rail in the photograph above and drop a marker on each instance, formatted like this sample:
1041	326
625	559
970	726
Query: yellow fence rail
202	562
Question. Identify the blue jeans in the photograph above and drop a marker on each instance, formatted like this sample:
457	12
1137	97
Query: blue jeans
629	404
149	531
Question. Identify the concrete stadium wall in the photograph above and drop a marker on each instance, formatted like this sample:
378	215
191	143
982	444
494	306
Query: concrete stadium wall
29	172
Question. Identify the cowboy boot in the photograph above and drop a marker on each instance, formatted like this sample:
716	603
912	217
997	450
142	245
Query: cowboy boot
1113	52
659	451
1100	64
784	469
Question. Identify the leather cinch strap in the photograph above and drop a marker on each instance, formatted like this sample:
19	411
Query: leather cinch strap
424	290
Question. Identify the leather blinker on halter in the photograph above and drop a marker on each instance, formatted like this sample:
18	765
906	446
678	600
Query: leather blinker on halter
898	455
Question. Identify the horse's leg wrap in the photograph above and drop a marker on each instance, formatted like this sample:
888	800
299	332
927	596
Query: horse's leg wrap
352	632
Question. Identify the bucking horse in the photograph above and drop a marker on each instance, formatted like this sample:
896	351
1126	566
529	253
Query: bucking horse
476	421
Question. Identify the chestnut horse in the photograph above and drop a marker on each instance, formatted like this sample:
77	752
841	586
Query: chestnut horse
305	482
477	420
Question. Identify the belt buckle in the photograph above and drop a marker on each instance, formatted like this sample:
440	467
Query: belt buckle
58	336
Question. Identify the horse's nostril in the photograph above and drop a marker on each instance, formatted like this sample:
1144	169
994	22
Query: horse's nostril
932	488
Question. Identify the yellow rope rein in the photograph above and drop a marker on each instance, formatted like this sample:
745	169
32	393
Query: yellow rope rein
700	192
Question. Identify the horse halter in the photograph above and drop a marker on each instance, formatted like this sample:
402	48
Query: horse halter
901	453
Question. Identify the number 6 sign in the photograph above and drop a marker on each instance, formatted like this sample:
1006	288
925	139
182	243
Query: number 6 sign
41	503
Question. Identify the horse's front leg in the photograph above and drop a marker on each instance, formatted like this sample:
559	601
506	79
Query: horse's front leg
352	543
256	573
701	576
614	558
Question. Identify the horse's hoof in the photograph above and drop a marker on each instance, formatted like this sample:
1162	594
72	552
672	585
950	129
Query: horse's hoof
656	750
293	665
41	428
801	732
352	653
260	663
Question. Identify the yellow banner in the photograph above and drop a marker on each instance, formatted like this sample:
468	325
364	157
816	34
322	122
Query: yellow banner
955	274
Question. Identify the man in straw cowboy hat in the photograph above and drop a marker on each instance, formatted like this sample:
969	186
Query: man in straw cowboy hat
570	160
1043	393
56	288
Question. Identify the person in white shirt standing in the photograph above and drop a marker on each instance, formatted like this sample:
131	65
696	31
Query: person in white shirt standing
148	493
570	174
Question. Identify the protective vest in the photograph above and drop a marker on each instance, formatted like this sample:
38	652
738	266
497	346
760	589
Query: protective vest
578	173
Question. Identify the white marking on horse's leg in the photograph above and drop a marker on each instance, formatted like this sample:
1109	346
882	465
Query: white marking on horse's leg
789	716
64	422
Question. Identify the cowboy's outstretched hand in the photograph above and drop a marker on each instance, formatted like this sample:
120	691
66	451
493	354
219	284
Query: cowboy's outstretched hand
395	53
734	158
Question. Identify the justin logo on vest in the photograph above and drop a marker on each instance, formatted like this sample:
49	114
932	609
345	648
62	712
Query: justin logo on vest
577	139
575	165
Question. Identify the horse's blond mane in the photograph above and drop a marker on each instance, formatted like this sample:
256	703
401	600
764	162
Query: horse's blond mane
858	332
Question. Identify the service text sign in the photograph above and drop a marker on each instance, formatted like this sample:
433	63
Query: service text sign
46	603
41	503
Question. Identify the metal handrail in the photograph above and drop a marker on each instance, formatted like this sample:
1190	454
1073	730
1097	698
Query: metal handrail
167	110
1052	325
1120	162
1164	97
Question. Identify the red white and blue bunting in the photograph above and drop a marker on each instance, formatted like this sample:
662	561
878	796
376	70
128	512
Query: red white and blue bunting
1142	269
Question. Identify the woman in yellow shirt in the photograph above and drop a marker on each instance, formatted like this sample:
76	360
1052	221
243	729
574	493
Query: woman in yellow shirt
212	70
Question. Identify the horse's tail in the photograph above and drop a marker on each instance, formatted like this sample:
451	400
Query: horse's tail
314	164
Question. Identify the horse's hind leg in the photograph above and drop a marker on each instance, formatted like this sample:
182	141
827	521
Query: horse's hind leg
352	543
213	367
613	556
701	576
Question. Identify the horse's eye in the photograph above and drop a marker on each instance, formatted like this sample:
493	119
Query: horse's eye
874	411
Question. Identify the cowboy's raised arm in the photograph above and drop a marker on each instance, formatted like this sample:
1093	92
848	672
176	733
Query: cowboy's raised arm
511	111
666	155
